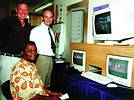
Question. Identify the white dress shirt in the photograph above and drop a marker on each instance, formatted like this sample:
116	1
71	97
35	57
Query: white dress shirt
41	37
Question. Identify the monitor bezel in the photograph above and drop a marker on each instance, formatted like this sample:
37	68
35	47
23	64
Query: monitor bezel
116	79
79	67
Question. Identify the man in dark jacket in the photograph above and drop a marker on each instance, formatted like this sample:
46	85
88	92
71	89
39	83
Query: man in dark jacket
14	33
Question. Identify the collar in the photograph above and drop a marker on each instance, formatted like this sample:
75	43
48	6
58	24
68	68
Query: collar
25	61
42	24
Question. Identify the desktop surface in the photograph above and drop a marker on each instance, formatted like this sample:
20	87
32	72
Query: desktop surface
81	88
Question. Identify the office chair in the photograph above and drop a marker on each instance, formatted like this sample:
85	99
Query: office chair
5	88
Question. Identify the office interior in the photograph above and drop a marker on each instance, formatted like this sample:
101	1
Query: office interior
73	30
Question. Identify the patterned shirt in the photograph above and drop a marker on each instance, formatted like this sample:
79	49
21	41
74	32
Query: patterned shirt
25	82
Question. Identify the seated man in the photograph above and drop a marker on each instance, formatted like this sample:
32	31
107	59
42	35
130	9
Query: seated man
25	83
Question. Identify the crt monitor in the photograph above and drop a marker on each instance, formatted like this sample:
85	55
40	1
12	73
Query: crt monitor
112	20
119	69
78	59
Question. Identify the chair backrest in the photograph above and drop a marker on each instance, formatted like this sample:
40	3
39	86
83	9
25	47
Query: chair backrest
5	88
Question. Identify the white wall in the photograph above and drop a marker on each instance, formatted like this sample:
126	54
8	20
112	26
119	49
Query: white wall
89	29
64	4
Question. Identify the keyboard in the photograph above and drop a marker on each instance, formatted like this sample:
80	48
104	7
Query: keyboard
96	77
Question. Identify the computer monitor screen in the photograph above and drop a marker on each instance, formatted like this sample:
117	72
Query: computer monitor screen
103	23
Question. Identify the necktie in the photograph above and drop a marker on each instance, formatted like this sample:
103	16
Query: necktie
52	42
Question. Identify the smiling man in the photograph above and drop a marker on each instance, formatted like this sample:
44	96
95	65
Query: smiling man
14	33
44	38
25	83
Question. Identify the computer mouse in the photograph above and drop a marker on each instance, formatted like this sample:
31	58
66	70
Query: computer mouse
112	85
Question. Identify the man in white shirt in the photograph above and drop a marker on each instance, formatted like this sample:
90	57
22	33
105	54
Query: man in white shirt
40	35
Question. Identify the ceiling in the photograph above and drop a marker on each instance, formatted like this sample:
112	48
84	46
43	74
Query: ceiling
32	4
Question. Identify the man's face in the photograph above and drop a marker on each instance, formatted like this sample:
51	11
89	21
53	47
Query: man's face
22	11
30	52
47	17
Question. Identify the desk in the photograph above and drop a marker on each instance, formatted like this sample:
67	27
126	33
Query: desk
80	88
